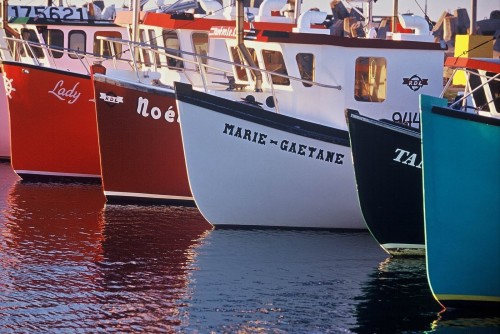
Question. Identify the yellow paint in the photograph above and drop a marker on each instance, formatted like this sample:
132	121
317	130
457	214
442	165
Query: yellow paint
468	298
467	46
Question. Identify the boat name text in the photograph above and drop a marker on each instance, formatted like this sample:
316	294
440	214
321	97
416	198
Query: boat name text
222	31
110	98
407	158
155	112
284	145
64	94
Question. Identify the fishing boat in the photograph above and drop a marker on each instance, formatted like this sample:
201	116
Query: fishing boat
461	187
277	169
142	101
278	154
139	102
388	162
53	131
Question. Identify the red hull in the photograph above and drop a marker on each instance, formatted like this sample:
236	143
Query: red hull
52	122
140	143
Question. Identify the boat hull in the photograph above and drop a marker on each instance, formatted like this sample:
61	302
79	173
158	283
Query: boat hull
387	165
53	127
461	178
140	143
251	167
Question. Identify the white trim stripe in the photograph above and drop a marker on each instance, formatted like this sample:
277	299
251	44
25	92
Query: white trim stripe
416	246
34	172
142	195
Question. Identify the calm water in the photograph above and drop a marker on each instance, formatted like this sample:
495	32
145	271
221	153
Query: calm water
69	263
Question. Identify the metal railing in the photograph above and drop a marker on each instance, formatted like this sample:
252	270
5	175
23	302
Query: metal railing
22	50
200	62
467	91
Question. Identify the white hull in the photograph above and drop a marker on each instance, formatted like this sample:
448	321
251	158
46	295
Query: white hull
238	181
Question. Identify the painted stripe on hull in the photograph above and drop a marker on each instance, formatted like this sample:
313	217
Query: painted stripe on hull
471	298
37	172
152	196
259	116
404	249
404	246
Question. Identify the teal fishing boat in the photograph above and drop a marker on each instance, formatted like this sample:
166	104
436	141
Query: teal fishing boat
461	182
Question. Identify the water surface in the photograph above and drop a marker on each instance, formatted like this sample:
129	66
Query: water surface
71	263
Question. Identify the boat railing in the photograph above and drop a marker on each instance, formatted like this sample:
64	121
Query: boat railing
200	61
461	101
23	50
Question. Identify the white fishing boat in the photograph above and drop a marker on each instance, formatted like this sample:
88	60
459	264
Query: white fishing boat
279	155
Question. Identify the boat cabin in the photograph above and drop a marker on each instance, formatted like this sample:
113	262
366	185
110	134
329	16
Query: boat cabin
298	69
58	37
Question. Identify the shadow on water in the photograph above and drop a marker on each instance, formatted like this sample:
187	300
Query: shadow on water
397	298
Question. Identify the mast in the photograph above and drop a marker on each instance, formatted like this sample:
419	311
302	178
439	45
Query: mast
5	20
136	8
240	21
394	15
473	20
296	12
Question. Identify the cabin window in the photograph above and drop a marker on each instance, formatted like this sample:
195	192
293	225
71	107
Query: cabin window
77	42
144	51
370	79
200	44
241	72
273	60
104	48
154	46
171	41
31	36
305	62
54	38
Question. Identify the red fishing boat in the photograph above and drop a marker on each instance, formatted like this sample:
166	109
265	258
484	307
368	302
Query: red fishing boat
142	159
50	95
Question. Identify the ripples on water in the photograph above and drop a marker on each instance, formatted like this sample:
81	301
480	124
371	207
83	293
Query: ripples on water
69	263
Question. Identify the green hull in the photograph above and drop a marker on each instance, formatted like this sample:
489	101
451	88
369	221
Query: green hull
461	181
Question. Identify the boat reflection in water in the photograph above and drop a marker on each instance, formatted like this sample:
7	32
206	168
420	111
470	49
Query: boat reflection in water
399	286
71	263
476	322
148	255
